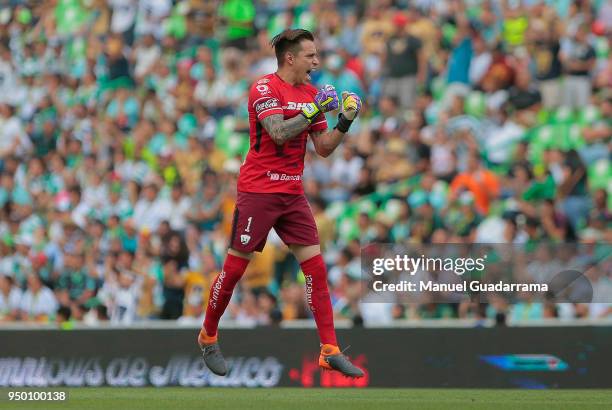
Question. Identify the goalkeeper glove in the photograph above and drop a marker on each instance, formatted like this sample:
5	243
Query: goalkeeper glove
351	104
325	100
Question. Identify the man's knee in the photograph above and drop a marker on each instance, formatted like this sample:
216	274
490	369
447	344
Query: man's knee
304	252
239	254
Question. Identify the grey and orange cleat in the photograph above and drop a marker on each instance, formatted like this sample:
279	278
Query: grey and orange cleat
331	358
212	354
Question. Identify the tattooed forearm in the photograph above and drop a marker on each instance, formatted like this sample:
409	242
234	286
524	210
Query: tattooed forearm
282	130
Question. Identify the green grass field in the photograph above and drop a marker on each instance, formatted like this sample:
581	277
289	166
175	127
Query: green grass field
314	399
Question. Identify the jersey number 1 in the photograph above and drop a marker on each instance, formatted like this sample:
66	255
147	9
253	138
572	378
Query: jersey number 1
248	227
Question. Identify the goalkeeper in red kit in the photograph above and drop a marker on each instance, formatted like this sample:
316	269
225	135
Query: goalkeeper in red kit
284	109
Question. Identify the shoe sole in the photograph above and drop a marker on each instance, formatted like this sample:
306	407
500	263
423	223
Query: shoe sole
325	369
214	372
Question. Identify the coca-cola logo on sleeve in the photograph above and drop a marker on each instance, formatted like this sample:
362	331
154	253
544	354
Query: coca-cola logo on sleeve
265	105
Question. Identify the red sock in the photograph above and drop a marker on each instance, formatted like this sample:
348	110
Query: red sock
318	298
221	291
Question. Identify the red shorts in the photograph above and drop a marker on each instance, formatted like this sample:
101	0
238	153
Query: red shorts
255	214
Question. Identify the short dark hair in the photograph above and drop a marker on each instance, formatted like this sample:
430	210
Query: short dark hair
289	41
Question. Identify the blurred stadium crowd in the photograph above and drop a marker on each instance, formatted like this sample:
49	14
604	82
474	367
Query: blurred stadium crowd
123	124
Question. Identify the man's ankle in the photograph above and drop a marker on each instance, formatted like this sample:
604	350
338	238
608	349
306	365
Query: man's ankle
205	339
